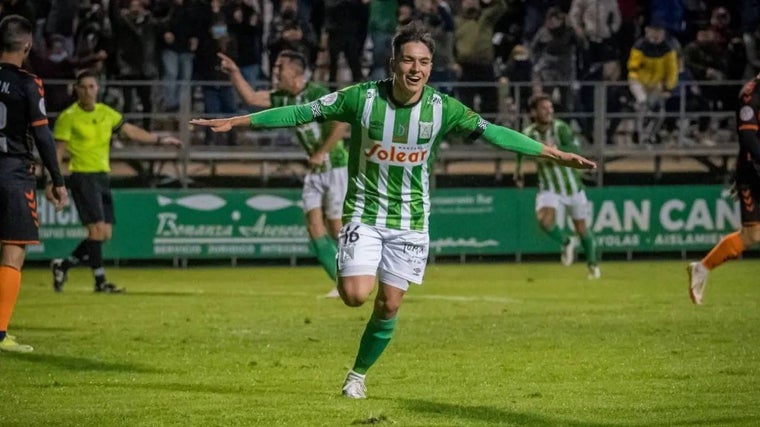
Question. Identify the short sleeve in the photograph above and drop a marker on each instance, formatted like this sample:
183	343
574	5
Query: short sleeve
462	120
62	130
341	105
114	117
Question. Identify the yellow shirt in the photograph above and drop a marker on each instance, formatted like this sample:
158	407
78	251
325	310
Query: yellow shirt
87	135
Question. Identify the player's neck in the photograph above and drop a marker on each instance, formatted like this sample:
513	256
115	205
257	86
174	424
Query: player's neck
403	97
542	127
87	106
297	87
15	58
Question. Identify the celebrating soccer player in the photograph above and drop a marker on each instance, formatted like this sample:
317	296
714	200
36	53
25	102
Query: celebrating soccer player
396	125
559	185
324	186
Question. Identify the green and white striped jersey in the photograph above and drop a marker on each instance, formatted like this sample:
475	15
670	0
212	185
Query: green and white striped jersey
561	180
311	135
392	147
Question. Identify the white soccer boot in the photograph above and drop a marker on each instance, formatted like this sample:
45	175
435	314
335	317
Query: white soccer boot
568	251
353	386
697	281
594	272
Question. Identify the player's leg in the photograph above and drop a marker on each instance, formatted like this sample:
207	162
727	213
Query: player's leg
10	284
579	211
19	225
100	231
376	337
79	188
324	246
546	215
404	258
729	247
547	203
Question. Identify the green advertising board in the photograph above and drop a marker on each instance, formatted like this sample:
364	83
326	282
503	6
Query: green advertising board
248	223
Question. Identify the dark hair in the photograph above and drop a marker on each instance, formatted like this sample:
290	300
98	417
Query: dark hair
537	99
294	56
413	32
16	33
85	74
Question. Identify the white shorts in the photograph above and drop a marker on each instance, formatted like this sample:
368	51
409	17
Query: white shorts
577	203
325	190
396	257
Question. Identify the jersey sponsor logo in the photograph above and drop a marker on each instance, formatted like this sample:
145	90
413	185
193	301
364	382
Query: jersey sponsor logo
746	113
426	129
329	99
399	154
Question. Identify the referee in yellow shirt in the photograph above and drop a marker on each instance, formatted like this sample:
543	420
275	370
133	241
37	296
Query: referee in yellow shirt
84	130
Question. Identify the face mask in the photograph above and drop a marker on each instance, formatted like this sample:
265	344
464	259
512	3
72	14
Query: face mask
58	57
218	31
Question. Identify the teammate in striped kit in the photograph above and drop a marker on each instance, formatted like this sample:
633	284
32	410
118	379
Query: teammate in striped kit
325	186
558	185
396	125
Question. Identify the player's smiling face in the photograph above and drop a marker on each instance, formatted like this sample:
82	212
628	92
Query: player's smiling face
411	70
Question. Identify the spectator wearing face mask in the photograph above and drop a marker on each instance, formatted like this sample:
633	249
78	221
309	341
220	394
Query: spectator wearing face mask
53	62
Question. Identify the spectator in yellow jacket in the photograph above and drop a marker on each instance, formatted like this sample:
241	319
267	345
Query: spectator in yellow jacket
652	67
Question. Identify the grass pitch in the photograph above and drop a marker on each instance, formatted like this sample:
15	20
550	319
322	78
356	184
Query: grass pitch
506	344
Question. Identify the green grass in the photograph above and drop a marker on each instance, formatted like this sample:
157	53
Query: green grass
508	344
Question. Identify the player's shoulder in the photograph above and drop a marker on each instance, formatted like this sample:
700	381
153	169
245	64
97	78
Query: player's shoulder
750	91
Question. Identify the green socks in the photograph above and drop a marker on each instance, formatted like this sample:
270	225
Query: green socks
589	247
556	234
376	337
326	250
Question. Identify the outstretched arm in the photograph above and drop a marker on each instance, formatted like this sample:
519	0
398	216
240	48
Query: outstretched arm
254	98
136	133
280	117
515	141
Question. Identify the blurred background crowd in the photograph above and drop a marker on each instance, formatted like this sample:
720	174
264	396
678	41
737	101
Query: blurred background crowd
653	49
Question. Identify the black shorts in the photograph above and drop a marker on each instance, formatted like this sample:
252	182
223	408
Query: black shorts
92	196
18	213
749	203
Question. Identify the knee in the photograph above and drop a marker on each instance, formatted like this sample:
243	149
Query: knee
546	223
351	299
387	309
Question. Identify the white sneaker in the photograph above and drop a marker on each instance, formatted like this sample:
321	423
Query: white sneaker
333	293
697	281
594	272
10	344
568	251
354	387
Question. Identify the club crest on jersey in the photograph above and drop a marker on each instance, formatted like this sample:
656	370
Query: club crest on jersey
329	99
746	113
398	154
426	129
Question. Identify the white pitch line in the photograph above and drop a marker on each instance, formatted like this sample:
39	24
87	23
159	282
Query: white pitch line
462	298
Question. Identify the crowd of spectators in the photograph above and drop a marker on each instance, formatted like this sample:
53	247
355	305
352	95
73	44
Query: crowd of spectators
652	48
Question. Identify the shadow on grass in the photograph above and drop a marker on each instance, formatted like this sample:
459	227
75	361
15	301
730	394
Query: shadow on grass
494	415
159	294
80	363
19	328
490	414
185	387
